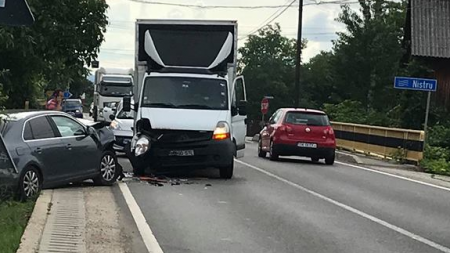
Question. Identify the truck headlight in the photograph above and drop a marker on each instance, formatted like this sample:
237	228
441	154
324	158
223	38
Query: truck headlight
222	131
142	146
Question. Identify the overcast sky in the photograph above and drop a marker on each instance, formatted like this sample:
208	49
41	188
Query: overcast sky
319	26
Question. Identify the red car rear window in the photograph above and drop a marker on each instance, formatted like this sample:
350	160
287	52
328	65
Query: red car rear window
309	119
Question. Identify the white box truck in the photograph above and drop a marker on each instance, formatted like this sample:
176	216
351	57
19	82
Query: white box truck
191	106
111	85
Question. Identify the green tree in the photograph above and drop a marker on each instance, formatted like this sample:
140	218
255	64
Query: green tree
317	81
367	55
54	51
268	63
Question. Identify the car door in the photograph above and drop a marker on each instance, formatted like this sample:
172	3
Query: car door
45	147
269	129
239	127
80	149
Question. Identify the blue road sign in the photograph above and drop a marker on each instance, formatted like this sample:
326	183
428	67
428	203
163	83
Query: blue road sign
420	84
67	94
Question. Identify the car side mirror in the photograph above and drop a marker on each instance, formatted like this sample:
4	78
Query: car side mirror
112	117
136	106
90	130
126	104
242	108
80	132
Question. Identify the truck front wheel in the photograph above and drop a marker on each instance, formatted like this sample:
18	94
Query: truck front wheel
227	171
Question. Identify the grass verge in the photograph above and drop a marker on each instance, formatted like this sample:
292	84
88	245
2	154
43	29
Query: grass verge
13	221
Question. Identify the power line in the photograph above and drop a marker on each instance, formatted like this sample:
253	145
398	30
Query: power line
271	19
254	7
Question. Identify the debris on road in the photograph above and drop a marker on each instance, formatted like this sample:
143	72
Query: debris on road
159	180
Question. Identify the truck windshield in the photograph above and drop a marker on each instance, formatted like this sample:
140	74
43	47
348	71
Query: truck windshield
185	93
116	89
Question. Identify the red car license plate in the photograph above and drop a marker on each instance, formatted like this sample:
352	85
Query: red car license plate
307	145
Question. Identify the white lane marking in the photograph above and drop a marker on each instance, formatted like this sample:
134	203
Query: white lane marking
353	210
393	175
146	233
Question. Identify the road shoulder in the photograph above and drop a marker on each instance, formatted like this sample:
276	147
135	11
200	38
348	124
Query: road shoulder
32	236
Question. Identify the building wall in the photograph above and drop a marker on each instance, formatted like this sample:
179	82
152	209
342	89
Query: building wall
441	67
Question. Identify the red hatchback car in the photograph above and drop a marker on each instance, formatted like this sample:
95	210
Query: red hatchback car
298	132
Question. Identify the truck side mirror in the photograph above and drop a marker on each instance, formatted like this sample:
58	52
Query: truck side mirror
126	104
234	110
242	108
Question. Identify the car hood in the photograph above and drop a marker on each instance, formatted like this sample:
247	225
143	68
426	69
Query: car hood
183	119
125	124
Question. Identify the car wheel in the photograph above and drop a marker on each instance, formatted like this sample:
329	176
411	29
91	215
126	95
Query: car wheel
30	183
330	159
227	171
273	153
109	169
261	153
314	159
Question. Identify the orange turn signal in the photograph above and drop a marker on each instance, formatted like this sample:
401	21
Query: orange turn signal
222	136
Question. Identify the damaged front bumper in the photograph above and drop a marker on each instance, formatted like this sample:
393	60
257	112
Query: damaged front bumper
190	155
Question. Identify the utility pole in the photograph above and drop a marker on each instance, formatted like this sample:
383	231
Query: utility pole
298	55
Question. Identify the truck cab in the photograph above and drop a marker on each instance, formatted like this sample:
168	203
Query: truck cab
191	112
111	85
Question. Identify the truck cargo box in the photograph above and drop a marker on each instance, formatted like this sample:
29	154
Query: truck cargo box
165	45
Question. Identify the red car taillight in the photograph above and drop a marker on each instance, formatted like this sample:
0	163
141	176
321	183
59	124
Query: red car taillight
329	132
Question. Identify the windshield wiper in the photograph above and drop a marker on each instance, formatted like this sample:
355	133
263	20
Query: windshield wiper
195	106
161	105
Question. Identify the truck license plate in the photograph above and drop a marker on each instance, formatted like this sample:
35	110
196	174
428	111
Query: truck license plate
181	153
307	145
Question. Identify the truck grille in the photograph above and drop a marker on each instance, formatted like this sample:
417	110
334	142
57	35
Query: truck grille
184	136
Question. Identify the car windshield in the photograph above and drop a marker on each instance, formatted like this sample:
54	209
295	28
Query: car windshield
309	119
125	115
185	93
116	89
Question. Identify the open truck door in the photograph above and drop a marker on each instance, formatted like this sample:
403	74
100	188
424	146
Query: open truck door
239	115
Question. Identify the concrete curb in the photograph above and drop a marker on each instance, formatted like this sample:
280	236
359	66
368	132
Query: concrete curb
348	157
32	236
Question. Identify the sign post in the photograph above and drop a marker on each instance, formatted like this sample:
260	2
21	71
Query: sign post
264	108
418	84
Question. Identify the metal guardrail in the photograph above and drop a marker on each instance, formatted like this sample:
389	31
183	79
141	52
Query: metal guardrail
381	141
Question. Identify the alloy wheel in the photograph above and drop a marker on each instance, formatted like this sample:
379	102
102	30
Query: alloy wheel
31	183
108	167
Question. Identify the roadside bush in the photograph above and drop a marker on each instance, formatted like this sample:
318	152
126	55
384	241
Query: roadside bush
440	166
436	160
348	111
439	135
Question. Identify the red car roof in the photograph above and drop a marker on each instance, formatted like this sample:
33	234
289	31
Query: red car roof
302	110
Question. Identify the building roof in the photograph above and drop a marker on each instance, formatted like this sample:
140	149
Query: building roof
430	28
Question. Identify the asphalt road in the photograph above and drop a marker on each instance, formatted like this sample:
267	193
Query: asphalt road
294	205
